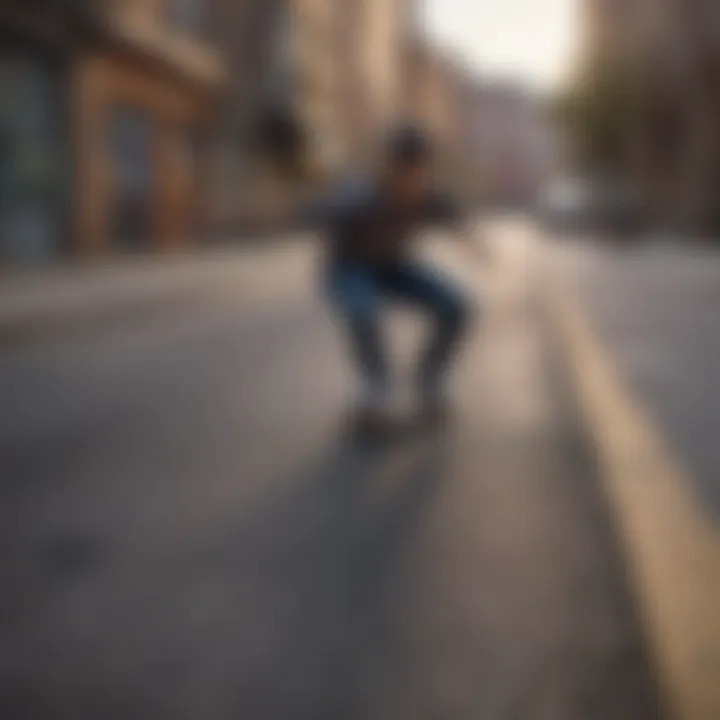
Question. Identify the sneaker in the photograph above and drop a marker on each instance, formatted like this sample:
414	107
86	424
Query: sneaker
373	415
371	422
374	398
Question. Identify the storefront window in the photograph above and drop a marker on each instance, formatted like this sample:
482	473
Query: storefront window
30	160
131	166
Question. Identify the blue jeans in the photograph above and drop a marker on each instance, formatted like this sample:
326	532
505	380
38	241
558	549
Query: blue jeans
358	292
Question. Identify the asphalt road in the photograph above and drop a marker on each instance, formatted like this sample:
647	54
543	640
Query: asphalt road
654	307
186	533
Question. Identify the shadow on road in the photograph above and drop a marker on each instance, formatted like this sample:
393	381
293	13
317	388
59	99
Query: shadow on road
334	578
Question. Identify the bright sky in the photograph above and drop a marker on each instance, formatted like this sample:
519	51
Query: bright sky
531	40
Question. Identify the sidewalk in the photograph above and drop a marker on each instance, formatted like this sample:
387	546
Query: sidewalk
635	331
80	296
653	307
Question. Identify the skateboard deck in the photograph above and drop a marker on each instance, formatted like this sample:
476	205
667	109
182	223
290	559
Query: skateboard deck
394	428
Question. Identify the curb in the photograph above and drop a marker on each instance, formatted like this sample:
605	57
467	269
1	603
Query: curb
673	549
88	298
20	331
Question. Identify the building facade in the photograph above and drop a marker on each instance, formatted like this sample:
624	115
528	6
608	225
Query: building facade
102	105
429	92
279	125
511	144
313	85
448	99
670	52
144	91
36	55
434	102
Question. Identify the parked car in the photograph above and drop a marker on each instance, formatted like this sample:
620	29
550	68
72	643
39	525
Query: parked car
617	211
564	207
574	206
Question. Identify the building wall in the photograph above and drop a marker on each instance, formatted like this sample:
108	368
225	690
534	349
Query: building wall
127	94
373	44
436	86
282	68
381	50
145	27
354	98
422	79
370	60
674	144
254	38
699	184
319	77
436	100
621	29
331	68
144	91
105	85
34	157
511	144
36	47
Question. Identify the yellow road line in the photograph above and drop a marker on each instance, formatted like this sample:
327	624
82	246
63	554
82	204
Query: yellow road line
673	548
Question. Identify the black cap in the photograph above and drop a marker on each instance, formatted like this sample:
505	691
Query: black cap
409	145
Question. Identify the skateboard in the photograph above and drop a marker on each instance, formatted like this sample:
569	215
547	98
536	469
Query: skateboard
365	427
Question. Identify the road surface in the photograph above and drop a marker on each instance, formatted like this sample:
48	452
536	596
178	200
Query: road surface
654	308
187	535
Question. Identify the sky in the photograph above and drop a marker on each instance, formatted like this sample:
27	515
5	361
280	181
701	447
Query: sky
530	40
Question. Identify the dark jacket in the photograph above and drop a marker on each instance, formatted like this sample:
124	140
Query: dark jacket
363	227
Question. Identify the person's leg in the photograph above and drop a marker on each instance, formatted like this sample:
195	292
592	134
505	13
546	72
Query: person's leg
354	293
427	289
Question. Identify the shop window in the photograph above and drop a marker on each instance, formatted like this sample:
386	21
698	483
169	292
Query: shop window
131	167
31	169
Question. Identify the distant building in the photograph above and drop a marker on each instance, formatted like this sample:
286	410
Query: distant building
494	140
434	101
513	144
429	90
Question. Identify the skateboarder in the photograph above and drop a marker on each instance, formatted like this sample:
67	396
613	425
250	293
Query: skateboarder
370	227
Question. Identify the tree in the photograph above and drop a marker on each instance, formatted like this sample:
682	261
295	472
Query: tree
598	113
